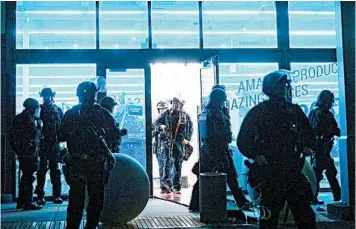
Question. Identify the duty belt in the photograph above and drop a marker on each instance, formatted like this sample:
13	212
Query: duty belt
82	156
87	157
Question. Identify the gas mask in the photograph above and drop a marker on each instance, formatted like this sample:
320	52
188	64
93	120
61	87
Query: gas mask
175	106
37	113
47	99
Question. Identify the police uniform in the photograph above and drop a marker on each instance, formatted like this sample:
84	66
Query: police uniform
51	116
24	139
278	131
215	155
325	128
180	127
85	163
109	104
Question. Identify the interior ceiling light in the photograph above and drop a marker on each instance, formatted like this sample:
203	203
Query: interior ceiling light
177	32
172	12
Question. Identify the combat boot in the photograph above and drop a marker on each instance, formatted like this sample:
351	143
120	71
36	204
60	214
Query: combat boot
31	207
41	201
57	200
176	191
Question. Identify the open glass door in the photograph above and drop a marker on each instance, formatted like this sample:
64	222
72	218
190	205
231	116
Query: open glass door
209	76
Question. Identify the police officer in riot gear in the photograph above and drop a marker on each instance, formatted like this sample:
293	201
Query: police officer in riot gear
157	133
225	108
110	103
178	130
51	116
325	128
24	139
274	134
215	155
90	132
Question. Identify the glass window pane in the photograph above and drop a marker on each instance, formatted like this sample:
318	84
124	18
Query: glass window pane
64	79
309	79
128	86
55	25
312	24
123	25
243	83
239	24
175	24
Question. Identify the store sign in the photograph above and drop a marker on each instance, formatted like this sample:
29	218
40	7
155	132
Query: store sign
135	110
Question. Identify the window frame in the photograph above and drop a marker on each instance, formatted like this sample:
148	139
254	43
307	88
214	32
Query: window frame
141	58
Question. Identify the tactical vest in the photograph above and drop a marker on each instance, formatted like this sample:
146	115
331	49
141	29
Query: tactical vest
51	118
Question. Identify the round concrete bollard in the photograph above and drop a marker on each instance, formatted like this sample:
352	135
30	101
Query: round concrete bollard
127	192
212	196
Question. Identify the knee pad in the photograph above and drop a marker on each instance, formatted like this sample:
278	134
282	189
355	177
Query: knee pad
28	179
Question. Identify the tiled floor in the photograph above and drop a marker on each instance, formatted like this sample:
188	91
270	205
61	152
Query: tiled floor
156	209
58	212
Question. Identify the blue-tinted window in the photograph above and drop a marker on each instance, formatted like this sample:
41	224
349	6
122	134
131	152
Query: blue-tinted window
175	24
128	86
309	79
312	24
123	25
239	24
55	25
243	83
63	78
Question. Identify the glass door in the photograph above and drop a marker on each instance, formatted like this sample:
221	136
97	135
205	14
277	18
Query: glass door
209	76
127	86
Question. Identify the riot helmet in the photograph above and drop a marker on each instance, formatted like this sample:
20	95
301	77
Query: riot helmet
86	92
220	86
161	106
47	94
108	103
176	103
275	84
325	98
217	97
32	105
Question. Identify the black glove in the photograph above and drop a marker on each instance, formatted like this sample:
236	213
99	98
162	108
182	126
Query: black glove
123	132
